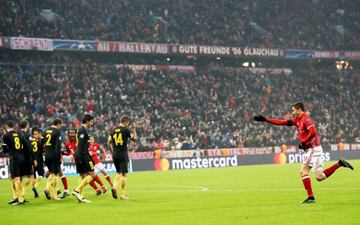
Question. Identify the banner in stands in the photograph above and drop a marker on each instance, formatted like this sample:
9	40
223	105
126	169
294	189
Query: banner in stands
345	147
163	164
150	67
131	47
74	45
5	42
141	155
255	71
42	44
239	151
39	44
151	48
225	51
296	54
352	54
326	54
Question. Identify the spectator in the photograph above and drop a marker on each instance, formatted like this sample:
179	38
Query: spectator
189	109
327	24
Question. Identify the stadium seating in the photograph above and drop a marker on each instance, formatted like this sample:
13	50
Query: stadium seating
324	25
213	108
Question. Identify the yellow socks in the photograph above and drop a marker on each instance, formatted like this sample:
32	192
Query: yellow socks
12	184
37	182
26	184
123	185
55	182
83	183
49	182
18	190
116	181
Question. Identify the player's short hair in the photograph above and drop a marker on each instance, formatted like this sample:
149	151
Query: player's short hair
299	105
35	129
87	118
10	124
23	124
57	122
124	119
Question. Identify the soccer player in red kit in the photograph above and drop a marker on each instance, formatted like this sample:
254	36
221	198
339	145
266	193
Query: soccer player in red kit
70	147
93	151
70	144
310	144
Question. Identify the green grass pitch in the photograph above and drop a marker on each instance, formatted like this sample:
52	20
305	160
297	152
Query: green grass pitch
267	194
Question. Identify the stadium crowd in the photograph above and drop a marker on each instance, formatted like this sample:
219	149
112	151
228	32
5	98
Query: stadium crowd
328	24
212	108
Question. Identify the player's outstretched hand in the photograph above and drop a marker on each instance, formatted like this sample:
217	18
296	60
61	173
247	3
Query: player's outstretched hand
260	118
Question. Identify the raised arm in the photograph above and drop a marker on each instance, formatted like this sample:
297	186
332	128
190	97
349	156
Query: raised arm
134	136
133	133
278	122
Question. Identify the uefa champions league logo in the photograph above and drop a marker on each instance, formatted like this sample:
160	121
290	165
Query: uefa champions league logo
80	45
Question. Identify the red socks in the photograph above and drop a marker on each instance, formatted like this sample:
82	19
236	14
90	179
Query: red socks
93	185
330	170
307	185
107	177
64	182
98	180
307	182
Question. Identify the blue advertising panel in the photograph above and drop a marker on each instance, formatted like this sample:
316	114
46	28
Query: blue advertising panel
74	45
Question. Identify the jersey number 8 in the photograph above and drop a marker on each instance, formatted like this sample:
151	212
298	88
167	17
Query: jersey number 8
17	143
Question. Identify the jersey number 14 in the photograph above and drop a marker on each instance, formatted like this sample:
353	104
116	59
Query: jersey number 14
118	139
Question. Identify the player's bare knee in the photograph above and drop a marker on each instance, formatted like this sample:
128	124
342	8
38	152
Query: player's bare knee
92	174
303	173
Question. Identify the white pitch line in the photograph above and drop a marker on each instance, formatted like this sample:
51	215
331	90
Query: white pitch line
205	189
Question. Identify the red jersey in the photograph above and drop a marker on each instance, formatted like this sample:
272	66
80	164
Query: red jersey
70	146
306	129
93	152
305	126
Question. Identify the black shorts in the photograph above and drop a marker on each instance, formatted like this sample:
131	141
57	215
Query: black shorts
84	165
121	164
27	169
39	170
53	165
15	167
